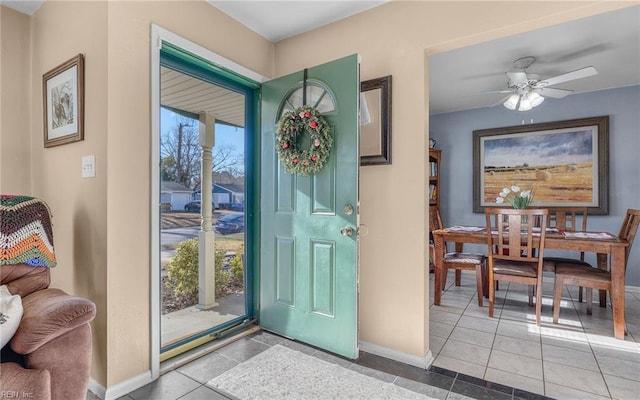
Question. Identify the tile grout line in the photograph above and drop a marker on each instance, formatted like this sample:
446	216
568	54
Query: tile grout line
587	328
593	353
486	367
574	308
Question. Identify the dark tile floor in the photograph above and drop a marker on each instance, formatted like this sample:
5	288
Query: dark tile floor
188	382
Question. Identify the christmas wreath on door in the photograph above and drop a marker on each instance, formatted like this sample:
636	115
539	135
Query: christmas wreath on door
291	127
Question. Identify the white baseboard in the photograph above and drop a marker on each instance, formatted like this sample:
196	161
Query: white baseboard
411	359
118	390
632	289
96	388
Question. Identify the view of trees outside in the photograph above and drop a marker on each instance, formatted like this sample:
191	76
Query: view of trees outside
180	156
180	152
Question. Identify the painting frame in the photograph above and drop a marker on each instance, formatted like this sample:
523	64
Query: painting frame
592	131
63	103
375	121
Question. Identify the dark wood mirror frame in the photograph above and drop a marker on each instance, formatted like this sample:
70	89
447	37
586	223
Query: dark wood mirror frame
382	120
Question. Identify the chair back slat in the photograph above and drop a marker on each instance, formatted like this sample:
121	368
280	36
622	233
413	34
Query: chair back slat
435	221
566	218
515	239
629	228
514	231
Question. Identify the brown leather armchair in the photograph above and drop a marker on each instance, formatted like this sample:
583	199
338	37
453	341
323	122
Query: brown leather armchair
49	357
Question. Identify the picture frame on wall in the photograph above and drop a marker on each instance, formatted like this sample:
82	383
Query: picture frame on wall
63	103
375	121
564	163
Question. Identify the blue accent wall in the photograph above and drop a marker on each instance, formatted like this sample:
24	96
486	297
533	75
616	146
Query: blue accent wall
453	133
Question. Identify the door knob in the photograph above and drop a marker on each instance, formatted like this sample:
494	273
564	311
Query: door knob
347	231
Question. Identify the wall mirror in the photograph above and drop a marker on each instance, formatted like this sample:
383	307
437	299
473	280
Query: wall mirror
375	121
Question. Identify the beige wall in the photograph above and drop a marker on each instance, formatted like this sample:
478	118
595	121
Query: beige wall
102	224
15	98
78	204
392	40
129	154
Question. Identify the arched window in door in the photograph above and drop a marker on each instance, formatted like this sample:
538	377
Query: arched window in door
318	96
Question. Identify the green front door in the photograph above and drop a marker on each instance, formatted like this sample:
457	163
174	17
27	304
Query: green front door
309	262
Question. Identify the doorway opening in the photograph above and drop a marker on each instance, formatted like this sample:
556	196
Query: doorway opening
206	219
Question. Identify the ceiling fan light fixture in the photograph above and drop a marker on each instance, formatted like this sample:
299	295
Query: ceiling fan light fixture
525	103
528	91
512	101
535	99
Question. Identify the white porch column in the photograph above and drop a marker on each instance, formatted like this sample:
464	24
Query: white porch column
206	256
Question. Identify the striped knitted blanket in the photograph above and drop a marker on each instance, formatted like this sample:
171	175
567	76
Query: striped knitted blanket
26	234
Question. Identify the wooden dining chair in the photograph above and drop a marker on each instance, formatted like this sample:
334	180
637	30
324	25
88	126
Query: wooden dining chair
458	260
589	277
566	219
514	255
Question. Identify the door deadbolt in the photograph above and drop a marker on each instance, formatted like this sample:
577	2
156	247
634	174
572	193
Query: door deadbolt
347	231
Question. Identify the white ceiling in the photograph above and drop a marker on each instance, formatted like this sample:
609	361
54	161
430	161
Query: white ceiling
277	20
24	6
610	42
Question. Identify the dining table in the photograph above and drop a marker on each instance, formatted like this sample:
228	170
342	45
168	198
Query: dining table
610	250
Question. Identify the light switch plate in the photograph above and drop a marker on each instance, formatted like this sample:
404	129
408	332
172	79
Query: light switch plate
88	166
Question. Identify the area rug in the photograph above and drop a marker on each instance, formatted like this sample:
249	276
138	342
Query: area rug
284	374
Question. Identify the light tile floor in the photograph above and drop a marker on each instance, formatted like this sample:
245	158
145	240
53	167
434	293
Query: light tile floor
576	359
188	382
476	357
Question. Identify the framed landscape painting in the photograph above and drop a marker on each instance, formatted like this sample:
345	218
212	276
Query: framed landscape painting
564	163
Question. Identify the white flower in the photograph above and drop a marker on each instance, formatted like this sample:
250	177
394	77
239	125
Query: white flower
515	196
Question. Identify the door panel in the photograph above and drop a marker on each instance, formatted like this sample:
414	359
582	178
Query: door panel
308	277
323	188
285	271
323	277
285	191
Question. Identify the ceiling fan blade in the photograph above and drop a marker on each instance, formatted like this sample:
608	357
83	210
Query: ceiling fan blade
493	91
552	92
569	76
518	78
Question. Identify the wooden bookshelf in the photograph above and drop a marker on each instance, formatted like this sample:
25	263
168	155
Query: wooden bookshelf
434	178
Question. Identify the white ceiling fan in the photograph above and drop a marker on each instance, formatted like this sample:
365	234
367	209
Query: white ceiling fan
528	90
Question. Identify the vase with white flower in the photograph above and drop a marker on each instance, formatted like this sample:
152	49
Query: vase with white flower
519	199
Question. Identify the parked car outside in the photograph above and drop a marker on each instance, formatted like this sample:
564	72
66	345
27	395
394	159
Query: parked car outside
194	206
236	206
230	223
